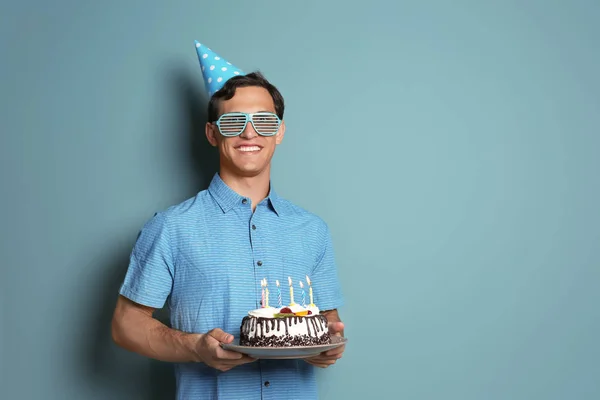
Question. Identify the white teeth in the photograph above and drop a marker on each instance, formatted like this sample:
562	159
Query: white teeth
249	148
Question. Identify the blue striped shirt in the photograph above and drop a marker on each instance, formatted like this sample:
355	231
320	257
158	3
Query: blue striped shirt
205	258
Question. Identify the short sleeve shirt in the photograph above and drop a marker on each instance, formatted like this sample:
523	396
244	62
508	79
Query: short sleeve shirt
205	258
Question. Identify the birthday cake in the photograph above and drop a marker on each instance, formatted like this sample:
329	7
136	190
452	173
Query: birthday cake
289	326
293	325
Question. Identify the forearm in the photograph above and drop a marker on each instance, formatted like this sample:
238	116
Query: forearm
136	330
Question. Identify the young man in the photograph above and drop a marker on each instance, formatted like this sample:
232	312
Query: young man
205	258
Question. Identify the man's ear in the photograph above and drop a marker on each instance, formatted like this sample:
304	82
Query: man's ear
211	134
280	133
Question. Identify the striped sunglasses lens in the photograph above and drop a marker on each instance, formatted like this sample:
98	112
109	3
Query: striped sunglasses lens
233	124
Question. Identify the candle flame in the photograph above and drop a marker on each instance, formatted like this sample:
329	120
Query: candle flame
266	284
290	281
308	280
277	282
301	285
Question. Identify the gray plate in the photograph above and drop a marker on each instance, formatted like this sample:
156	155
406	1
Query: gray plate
280	353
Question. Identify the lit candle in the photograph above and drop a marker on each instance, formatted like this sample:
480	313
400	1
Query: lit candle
291	292
266	292
262	285
310	293
303	294
278	294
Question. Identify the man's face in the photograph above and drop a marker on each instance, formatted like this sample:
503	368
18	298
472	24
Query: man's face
248	154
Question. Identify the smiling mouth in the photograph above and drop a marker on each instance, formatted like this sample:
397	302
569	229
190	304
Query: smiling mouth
248	149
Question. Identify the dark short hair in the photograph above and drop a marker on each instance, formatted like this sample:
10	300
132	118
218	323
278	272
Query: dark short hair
251	79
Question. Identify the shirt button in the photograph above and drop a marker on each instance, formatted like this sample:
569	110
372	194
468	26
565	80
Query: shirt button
244	201
267	383
254	227
259	263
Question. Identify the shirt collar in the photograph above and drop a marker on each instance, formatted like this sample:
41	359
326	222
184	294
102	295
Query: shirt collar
227	198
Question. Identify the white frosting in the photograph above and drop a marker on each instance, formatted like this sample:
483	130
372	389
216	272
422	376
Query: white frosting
265	312
313	309
269	312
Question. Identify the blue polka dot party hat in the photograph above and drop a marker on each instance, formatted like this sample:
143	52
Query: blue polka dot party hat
215	69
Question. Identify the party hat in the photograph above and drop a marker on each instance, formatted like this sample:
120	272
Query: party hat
216	69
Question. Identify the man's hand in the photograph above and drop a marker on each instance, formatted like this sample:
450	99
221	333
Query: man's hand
327	358
211	353
135	329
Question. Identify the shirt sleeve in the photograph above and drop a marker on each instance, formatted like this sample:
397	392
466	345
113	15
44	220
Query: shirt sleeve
149	277
327	292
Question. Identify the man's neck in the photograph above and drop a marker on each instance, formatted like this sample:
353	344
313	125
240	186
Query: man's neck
256	188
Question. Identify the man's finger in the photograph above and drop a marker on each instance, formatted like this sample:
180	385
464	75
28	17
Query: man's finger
336	328
321	364
221	336
244	360
324	358
223	354
226	365
240	361
336	351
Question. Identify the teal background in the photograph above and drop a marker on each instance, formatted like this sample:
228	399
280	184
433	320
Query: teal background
451	146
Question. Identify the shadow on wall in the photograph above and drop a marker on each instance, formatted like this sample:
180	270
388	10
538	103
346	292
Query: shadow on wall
123	374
